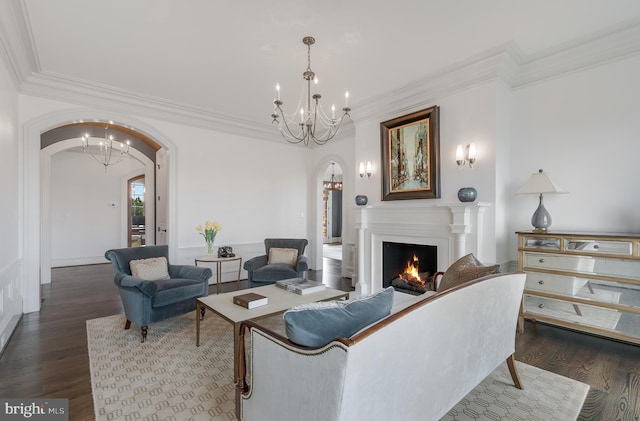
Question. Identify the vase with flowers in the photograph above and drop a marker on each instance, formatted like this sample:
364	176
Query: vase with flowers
209	233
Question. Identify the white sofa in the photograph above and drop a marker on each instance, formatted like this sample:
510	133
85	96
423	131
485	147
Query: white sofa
415	364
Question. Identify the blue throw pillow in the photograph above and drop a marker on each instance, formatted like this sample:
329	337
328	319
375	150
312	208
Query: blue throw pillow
317	324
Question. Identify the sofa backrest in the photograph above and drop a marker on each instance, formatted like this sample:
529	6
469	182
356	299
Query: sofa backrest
427	357
120	258
290	243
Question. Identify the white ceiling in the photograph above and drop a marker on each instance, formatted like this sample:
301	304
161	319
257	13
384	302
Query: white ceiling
225	56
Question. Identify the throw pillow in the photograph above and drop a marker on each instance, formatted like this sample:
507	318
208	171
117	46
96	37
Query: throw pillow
282	255
317	324
152	269
465	269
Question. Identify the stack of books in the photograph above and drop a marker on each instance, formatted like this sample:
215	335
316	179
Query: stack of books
301	286
250	300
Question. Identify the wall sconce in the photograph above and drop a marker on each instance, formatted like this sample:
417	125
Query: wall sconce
466	155
366	169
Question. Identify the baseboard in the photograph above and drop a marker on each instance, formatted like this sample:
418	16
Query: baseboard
78	261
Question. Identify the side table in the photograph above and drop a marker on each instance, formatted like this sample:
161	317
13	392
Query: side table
209	258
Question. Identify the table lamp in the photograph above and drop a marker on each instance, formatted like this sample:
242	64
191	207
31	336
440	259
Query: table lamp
540	183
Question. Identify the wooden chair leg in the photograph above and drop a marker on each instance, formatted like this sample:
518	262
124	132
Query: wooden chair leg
127	324
511	363
144	330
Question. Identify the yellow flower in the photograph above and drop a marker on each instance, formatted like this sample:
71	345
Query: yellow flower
210	230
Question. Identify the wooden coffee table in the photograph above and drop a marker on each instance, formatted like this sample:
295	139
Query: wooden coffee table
279	301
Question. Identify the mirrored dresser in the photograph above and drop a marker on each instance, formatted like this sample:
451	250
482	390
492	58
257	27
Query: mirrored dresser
582	281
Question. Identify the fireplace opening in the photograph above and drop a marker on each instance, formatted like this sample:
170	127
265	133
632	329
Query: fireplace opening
408	267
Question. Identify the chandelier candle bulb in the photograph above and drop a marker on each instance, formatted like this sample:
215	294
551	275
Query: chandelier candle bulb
278	90
346	99
361	169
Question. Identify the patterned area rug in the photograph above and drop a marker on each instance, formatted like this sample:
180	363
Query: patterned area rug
169	378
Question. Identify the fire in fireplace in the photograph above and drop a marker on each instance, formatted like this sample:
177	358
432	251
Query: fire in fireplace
408	267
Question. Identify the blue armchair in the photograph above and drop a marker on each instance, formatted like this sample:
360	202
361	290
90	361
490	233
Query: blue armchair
260	273
145	301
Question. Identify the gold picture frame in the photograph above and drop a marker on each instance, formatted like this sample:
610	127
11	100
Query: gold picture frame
411	156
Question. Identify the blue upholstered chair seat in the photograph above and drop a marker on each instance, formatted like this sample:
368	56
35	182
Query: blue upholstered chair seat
171	291
274	271
148	301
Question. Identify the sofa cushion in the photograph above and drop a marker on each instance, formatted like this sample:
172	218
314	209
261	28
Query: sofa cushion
283	255
151	269
465	269
317	324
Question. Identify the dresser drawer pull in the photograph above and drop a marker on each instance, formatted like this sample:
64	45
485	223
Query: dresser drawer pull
595	246
541	282
541	305
541	260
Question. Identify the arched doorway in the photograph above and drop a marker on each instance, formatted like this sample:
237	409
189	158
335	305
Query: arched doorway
332	212
36	231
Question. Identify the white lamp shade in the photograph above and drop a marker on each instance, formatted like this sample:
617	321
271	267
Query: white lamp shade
540	182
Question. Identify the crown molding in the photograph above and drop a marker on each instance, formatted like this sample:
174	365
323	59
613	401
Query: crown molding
505	63
508	64
64	88
611	44
16	47
498	62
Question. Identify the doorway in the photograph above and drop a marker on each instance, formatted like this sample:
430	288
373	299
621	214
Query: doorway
136	212
332	212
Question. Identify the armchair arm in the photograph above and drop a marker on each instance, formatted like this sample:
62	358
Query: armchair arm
255	263
303	264
148	288
190	272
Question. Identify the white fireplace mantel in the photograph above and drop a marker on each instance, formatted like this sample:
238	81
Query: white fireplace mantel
455	228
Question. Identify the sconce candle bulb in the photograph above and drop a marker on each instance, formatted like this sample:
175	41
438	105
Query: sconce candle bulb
366	169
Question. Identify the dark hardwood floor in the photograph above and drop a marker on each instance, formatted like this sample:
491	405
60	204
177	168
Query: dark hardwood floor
47	354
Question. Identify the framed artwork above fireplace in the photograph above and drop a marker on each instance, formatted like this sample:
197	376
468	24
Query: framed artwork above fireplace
410	147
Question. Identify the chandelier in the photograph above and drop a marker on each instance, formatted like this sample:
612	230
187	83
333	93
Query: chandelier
333	184
309	122
105	149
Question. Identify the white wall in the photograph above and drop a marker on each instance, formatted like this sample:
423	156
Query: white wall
11	209
465	117
255	189
87	208
584	129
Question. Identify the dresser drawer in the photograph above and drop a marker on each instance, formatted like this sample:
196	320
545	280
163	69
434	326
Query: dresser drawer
583	264
555	284
622	248
581	314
